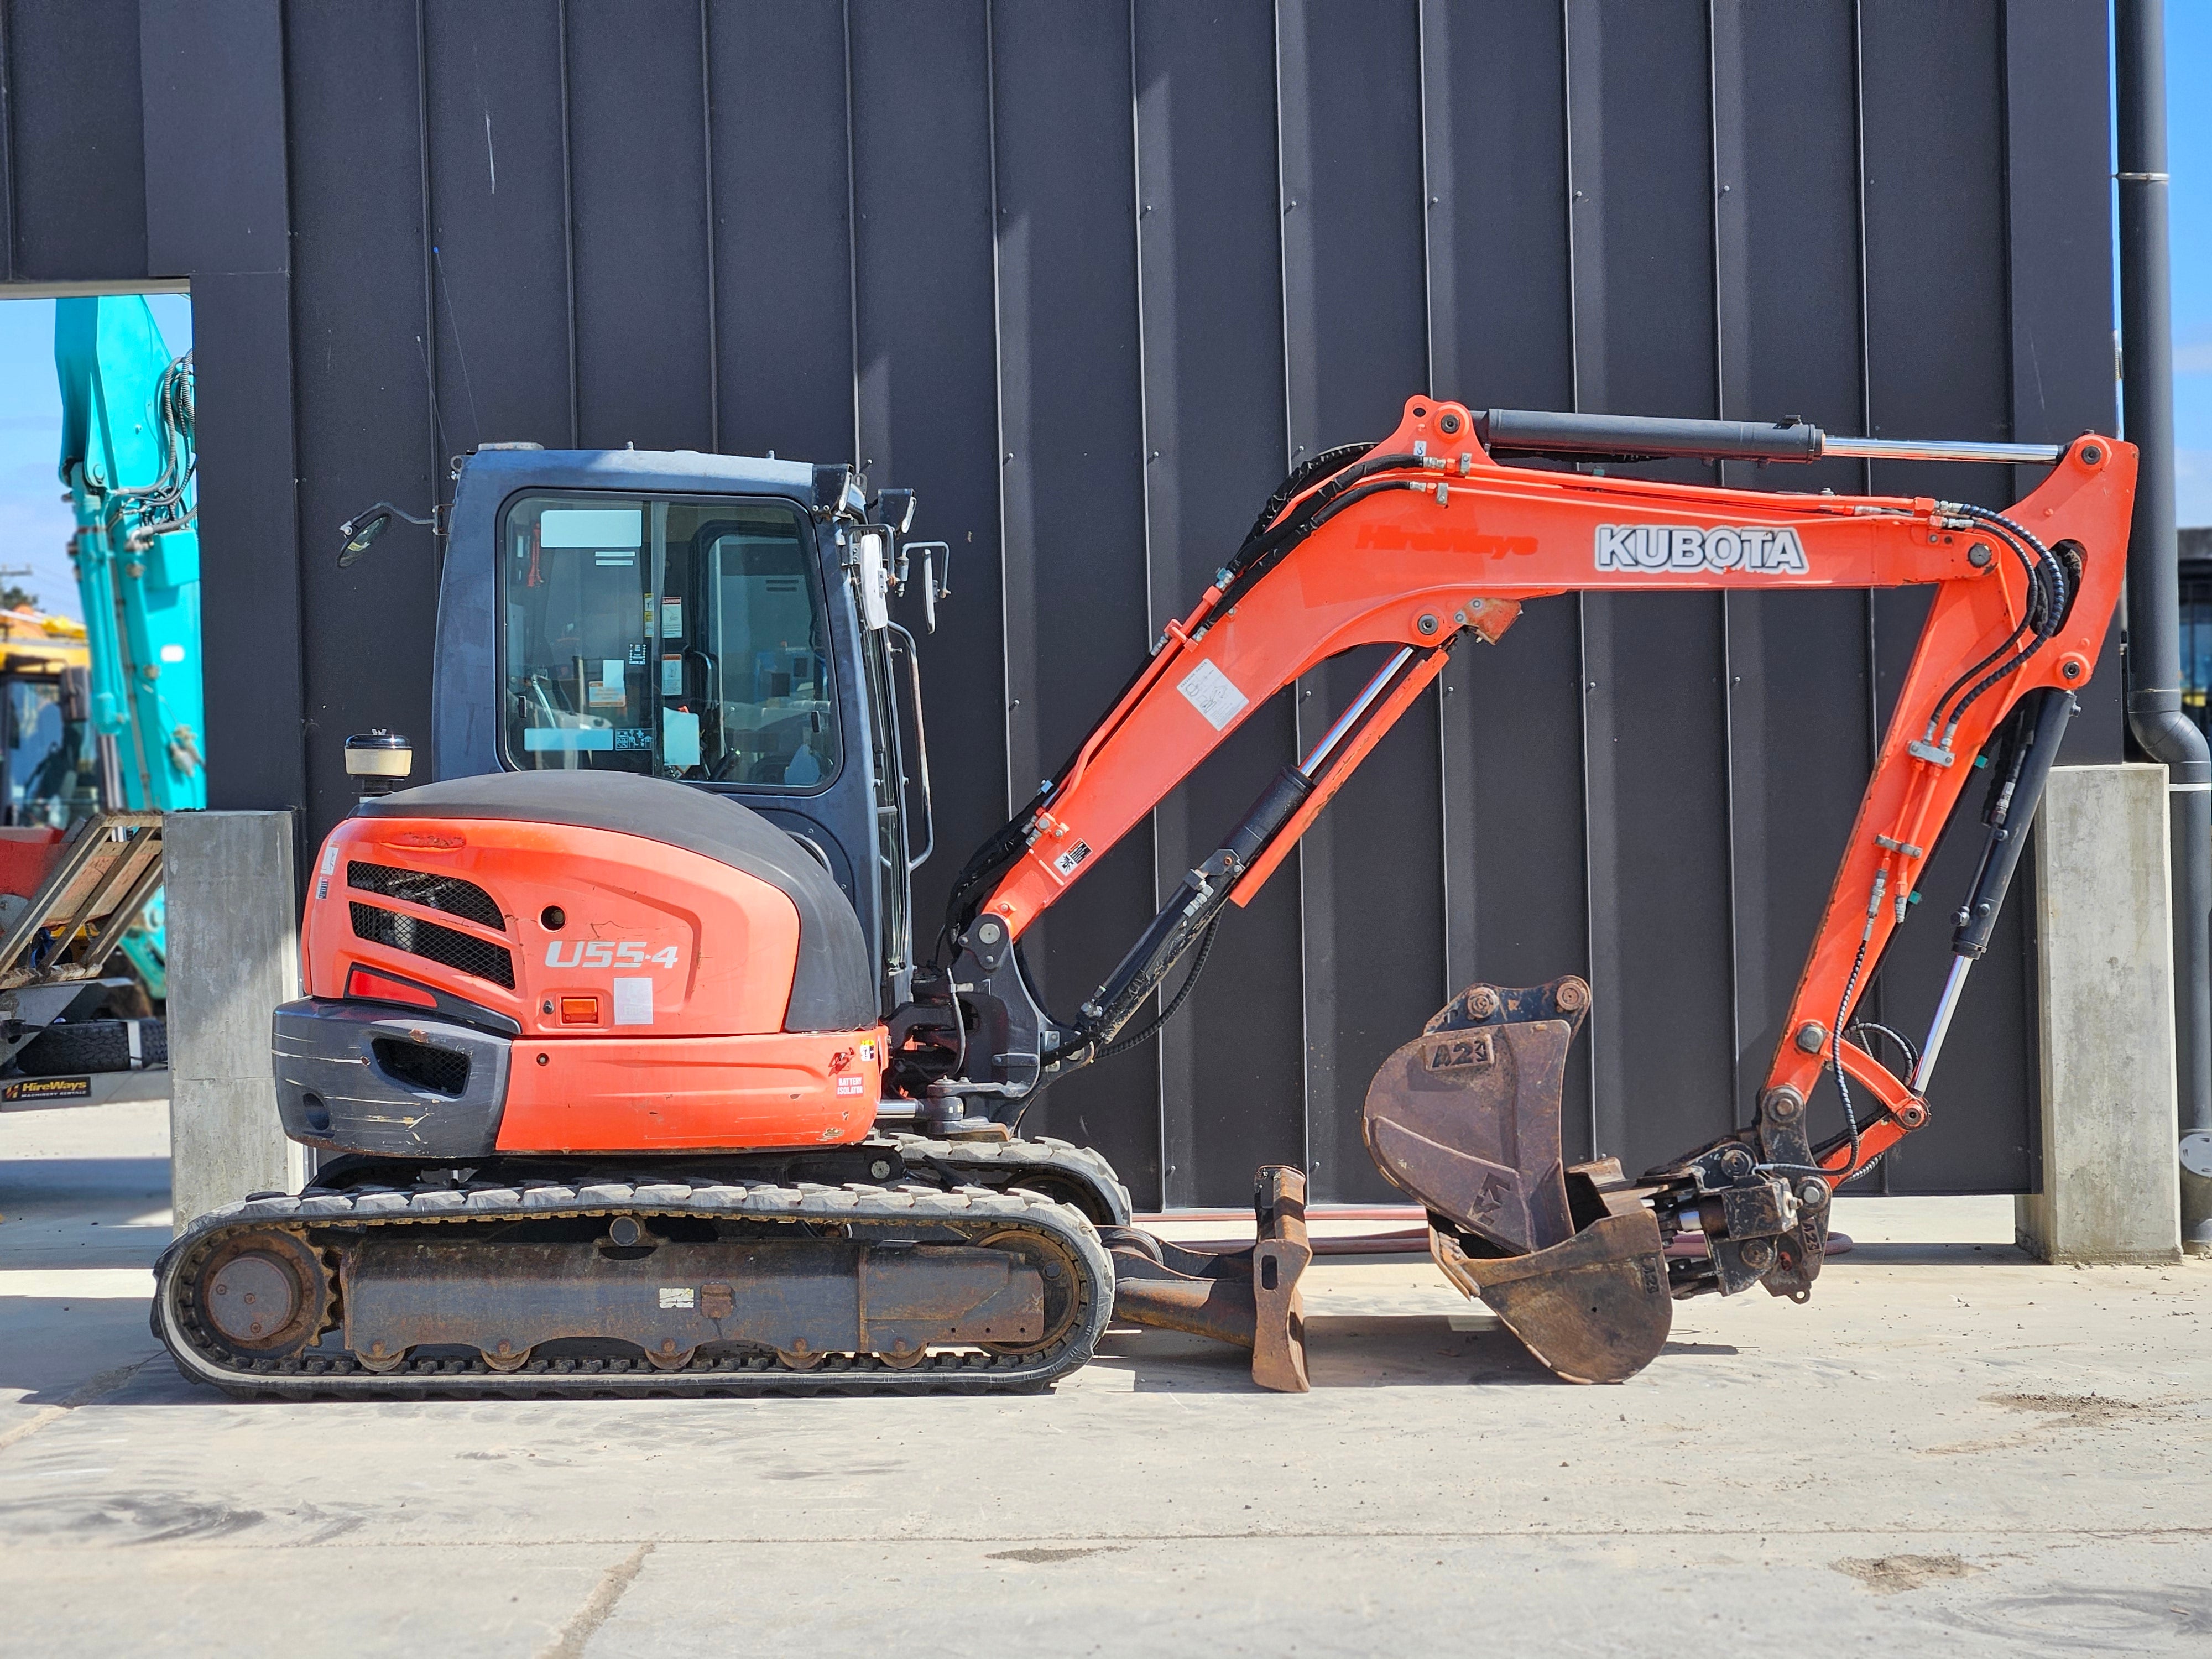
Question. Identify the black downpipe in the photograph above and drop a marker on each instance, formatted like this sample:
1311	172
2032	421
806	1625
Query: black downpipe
2154	655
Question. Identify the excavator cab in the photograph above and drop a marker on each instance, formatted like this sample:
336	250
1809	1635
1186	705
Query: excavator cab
717	621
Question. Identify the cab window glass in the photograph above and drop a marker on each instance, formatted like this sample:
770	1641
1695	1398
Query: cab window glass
51	772
680	639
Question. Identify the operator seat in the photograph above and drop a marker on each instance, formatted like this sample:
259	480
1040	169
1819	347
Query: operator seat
835	986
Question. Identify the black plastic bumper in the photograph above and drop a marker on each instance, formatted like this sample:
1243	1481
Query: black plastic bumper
359	1076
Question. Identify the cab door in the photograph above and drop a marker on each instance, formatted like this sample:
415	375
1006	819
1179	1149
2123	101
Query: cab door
735	643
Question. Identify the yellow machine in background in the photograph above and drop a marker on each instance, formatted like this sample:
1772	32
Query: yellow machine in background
50	761
56	777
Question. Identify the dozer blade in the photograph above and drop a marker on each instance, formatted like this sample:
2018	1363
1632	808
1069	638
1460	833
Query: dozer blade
1247	1297
1467	1119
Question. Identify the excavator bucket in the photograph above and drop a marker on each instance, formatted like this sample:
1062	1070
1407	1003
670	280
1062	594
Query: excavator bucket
1247	1297
1466	1118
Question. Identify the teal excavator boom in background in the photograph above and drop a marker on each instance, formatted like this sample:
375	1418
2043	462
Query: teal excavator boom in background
127	457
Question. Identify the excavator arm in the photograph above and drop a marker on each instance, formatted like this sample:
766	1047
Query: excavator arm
1429	540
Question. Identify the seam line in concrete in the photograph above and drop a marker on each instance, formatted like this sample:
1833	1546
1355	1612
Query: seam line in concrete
98	1388
353	1543
598	1607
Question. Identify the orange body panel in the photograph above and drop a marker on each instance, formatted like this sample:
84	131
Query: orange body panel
652	1017
719	948
697	1094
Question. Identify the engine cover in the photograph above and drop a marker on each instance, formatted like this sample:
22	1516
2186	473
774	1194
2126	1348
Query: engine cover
567	962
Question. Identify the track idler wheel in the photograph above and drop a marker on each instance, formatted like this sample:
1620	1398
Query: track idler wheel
1467	1119
263	1294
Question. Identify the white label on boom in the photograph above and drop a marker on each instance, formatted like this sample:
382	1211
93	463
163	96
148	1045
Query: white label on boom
1213	694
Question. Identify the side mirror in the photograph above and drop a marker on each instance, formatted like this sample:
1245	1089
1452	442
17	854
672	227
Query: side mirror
936	573
364	528
360	533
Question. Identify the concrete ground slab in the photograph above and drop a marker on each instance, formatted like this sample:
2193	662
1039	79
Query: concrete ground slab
1949	1446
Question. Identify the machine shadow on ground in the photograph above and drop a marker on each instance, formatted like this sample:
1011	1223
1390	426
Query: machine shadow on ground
1342	1352
68	1342
65	1186
1940	1256
130	1248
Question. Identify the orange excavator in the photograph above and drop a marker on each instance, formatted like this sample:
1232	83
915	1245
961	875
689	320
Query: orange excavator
626	1078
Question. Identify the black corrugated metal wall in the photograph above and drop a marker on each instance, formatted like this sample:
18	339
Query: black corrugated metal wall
1091	275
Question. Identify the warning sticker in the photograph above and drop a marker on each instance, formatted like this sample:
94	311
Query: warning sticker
633	1000
1071	860
678	1296
48	1088
1213	694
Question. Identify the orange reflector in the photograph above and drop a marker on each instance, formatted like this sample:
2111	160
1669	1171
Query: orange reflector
381	987
444	842
580	1010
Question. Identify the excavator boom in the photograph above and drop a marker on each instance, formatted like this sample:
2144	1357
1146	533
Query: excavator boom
1430	539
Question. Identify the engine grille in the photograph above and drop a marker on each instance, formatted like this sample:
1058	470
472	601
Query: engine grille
436	943
451	893
419	1066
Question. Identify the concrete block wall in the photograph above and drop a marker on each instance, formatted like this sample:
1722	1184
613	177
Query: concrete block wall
233	955
2104	981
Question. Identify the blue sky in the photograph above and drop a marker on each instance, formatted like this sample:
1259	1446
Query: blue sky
34	524
35	520
2188	140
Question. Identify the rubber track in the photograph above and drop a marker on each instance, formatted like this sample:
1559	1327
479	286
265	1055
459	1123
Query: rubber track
986	1160
972	1210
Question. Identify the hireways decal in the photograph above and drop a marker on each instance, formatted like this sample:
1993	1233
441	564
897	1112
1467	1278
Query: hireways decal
48	1088
1685	548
